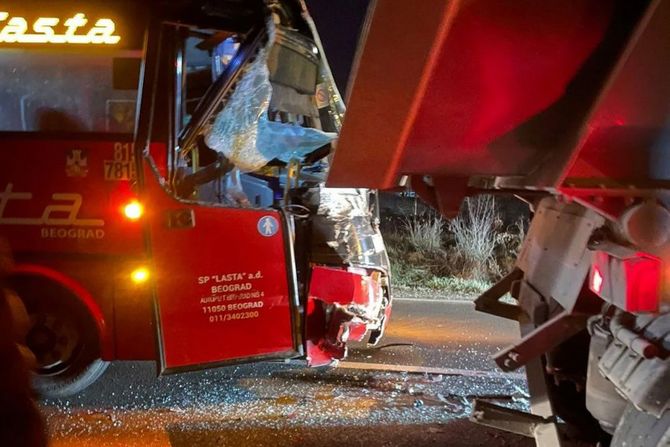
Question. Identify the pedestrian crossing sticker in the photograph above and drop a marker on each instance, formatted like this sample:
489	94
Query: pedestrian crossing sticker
268	226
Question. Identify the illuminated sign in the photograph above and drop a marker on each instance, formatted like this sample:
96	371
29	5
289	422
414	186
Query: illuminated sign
16	30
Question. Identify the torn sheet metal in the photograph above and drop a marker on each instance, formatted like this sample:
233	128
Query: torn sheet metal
242	130
352	288
343	305
342	203
343	230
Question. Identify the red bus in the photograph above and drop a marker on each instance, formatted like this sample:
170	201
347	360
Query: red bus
162	187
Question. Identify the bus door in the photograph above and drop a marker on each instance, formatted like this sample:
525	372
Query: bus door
223	275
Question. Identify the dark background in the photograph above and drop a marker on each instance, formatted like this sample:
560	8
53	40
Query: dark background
339	23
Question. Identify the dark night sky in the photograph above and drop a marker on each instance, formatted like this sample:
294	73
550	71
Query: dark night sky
339	23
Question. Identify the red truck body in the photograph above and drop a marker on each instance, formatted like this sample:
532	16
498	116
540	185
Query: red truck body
564	105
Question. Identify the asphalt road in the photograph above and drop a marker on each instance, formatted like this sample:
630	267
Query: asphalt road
440	334
277	404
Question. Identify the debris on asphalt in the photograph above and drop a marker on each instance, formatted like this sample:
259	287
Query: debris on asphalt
272	395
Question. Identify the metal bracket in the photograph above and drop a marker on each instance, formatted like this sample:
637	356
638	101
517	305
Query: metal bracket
542	339
489	301
292	179
508	419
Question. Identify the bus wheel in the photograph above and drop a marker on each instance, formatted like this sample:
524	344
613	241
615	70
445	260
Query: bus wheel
63	338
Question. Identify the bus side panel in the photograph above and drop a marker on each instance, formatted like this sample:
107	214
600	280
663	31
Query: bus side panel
122	309
67	196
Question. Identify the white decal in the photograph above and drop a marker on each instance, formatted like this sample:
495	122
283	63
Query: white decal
235	299
123	165
268	226
71	210
72	233
226	277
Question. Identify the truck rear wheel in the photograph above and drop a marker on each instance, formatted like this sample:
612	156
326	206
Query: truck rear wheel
640	429
63	338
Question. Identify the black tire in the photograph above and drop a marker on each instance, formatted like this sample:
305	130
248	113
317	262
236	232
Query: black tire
63	337
568	401
639	429
72	382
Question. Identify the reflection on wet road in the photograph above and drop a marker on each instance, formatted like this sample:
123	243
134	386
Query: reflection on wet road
277	404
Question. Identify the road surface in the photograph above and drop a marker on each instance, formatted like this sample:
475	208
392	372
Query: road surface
440	334
278	404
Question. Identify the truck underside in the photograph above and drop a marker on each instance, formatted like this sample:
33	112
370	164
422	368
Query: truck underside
567	108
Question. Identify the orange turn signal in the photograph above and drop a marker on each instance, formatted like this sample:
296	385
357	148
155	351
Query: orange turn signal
133	210
140	275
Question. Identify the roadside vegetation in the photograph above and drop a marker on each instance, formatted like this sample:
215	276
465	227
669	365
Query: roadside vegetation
458	258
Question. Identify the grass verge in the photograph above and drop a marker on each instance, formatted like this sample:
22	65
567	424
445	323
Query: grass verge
457	259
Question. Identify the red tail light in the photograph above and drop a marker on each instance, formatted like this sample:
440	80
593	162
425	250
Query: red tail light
629	279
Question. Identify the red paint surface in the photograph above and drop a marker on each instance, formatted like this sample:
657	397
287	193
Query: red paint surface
90	268
628	122
38	167
498	64
330	322
606	156
357	331
337	286
224	241
501	63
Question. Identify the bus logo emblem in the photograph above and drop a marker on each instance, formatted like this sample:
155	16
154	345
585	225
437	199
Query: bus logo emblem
53	30
76	163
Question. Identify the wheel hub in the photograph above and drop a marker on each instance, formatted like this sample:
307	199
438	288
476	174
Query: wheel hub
54	340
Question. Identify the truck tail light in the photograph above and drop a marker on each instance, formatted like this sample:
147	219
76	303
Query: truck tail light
133	210
629	279
597	280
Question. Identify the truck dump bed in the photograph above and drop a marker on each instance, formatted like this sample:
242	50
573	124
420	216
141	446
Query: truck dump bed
518	95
